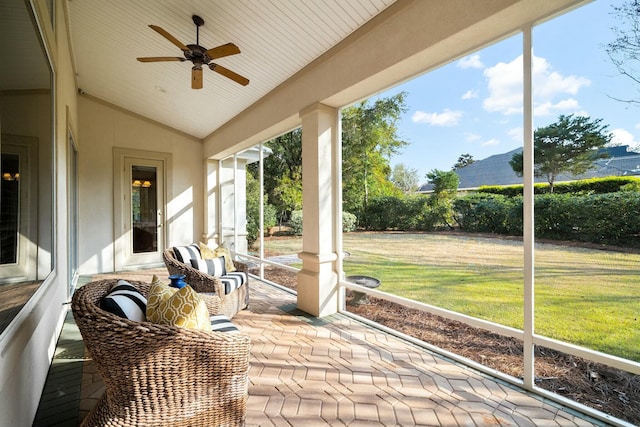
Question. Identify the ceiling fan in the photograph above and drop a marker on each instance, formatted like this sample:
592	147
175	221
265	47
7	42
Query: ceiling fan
199	56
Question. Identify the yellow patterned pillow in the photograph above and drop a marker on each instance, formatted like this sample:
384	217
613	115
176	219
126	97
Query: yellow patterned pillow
206	251
177	307
213	253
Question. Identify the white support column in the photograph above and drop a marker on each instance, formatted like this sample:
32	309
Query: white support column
527	206
318	280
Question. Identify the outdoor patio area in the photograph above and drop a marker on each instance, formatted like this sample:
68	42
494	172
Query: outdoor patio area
334	371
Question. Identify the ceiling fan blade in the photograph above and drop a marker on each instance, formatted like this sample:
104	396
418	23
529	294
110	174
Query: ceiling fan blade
161	58
196	78
169	37
229	74
223	50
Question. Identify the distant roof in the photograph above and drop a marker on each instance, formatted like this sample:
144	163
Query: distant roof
495	170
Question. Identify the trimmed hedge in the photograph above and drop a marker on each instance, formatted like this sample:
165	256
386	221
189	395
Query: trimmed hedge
611	218
602	211
489	213
400	213
610	184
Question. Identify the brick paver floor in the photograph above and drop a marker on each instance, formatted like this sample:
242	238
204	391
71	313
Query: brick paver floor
337	371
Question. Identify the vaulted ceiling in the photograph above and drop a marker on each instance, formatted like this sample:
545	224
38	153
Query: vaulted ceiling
276	38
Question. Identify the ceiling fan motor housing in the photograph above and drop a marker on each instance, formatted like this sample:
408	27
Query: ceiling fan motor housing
197	54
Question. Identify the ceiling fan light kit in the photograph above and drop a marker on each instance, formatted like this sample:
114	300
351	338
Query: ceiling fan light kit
199	56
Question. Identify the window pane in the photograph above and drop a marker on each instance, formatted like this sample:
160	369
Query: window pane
10	212
144	209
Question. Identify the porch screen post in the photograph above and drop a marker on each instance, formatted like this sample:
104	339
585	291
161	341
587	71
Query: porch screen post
317	280
212	185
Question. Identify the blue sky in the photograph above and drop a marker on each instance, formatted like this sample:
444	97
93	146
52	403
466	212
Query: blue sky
474	105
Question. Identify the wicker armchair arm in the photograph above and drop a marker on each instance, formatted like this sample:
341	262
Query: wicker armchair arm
198	280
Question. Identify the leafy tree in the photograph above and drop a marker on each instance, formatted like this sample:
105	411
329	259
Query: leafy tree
406	179
570	145
369	139
463	160
253	210
624	51
283	172
288	192
445	186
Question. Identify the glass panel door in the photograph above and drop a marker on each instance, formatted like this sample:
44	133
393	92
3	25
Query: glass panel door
10	213
144	209
142	212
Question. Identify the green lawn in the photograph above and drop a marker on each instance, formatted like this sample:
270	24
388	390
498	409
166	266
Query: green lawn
583	296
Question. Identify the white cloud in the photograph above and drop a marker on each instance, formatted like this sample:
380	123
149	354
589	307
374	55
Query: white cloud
548	108
470	94
516	134
490	142
446	118
505	87
471	137
550	88
624	137
471	61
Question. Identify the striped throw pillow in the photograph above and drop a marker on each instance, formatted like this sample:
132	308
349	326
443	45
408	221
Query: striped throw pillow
126	301
212	267
186	253
221	323
233	281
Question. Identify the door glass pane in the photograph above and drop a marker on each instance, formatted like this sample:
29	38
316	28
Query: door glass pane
10	212
144	209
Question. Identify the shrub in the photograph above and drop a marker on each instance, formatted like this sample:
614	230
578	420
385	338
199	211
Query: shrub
295	222
595	218
349	222
556	215
631	186
253	211
383	212
253	217
489	213
400	213
270	214
610	218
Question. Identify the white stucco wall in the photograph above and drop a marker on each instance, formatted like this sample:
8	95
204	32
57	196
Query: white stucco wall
103	127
